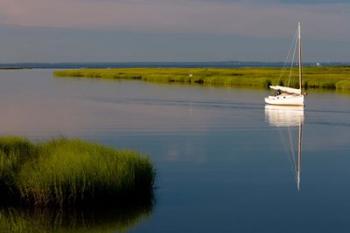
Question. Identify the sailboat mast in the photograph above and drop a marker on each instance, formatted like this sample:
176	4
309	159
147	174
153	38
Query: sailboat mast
300	54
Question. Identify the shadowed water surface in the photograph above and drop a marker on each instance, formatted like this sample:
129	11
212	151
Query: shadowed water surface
222	166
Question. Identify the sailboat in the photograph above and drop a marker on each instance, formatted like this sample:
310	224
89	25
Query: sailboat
290	117
288	95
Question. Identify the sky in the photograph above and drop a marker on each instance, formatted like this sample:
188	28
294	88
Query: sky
171	30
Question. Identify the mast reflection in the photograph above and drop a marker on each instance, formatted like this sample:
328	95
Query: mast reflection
289	117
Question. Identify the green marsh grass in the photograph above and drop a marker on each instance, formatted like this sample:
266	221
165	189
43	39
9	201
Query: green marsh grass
72	172
334	77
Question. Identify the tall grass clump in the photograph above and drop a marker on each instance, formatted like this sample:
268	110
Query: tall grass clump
343	85
14	151
70	172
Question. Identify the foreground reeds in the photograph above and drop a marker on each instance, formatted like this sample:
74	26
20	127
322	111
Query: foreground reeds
314	77
70	172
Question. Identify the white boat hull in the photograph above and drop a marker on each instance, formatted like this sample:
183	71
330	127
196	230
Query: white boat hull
285	100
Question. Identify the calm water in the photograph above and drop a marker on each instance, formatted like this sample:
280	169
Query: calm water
223	163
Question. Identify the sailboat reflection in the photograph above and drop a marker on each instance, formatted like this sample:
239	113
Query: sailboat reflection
289	117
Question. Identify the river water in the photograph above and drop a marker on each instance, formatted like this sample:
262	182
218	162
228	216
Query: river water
224	162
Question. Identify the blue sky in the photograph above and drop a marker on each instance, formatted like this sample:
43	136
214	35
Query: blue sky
171	30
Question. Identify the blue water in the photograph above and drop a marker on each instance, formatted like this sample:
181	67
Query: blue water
222	162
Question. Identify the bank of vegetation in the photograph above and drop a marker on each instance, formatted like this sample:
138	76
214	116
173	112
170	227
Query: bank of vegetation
314	77
70	172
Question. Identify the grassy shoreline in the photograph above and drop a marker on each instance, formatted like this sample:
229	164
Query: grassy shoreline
336	78
70	172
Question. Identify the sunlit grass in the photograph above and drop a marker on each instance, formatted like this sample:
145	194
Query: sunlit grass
314	77
68	172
